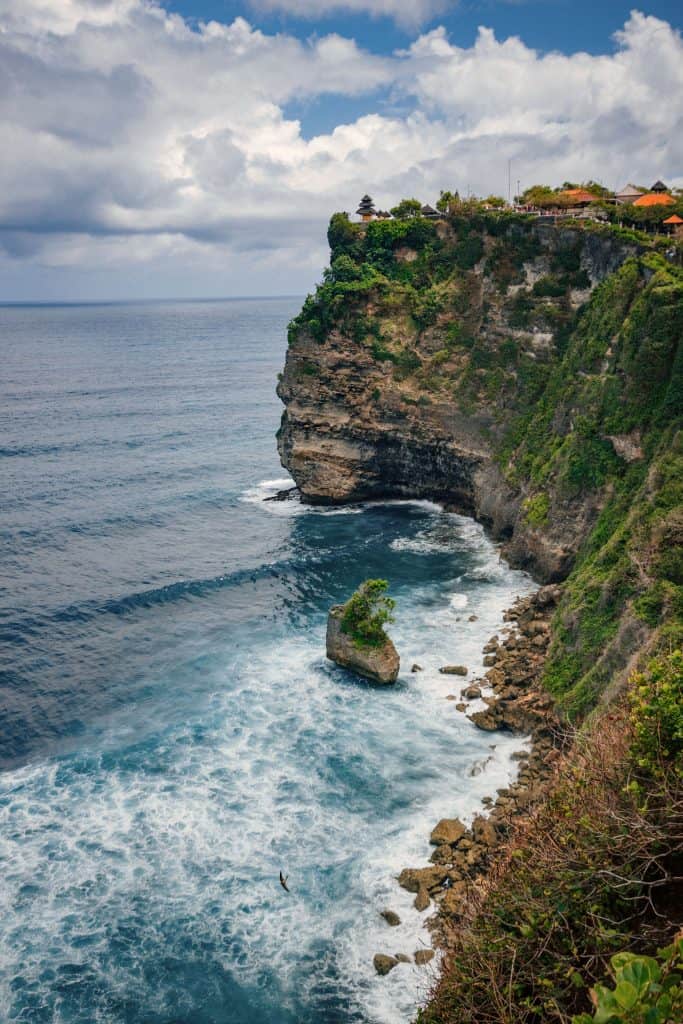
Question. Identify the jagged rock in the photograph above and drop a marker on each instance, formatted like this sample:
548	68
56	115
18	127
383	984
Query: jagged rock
484	720
442	855
454	670
452	901
380	664
448	830
490	660
391	917
412	879
484	832
384	963
423	956
421	901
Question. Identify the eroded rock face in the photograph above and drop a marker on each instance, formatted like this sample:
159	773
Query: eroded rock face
379	664
354	427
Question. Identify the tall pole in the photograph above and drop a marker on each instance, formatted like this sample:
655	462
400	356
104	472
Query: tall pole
509	186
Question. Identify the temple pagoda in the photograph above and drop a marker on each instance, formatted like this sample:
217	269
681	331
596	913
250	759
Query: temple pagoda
366	209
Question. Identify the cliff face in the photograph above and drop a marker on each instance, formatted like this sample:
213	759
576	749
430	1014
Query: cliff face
526	374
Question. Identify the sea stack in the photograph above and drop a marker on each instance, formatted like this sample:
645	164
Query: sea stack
356	639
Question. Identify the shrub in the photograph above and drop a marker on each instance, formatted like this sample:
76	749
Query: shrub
367	612
406	209
657	714
646	990
536	509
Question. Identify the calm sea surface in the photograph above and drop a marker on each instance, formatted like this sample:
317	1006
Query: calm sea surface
170	732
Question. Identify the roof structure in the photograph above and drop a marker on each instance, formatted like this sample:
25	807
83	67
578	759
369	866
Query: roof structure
629	190
655	199
579	195
366	206
658	186
674	219
429	211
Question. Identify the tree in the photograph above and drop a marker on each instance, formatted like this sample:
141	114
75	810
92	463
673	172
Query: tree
344	237
367	612
446	200
406	209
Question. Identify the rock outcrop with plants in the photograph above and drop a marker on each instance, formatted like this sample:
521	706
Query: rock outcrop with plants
356	638
531	375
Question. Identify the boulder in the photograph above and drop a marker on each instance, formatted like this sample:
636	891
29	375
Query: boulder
383	963
421	901
423	956
461	707
448	830
380	664
471	693
416	668
403	958
453	670
413	879
484	832
391	917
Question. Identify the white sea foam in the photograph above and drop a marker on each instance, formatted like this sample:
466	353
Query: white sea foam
294	766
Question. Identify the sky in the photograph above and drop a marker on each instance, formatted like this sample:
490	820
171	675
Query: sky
196	148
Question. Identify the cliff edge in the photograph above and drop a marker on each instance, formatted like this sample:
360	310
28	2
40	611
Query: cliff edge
530	375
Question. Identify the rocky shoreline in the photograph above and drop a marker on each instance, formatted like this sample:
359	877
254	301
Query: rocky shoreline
464	855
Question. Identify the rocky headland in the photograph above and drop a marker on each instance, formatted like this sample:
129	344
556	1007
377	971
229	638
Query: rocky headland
530	376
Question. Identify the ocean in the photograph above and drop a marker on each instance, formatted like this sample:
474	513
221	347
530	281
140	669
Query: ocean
171	734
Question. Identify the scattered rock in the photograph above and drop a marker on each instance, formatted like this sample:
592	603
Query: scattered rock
490	660
383	963
473	618
461	707
412	879
380	664
451	696
423	956
471	692
454	670
485	720
520	755
391	917
416	668
448	830
403	958
484	832
421	901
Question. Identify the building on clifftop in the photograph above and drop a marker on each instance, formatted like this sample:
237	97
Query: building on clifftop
366	209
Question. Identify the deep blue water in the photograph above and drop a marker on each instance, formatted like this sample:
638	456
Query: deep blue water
170	732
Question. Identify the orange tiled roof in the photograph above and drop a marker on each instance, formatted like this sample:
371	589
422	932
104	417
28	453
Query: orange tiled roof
655	199
674	219
579	195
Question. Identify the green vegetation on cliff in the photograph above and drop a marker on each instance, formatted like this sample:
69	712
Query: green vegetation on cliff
593	876
553	356
578	390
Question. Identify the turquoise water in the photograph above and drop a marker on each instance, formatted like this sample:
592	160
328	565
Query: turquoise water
171	735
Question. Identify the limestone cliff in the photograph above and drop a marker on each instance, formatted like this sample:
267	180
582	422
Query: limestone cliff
524	373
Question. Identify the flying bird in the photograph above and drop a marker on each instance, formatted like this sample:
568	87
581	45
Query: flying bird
283	881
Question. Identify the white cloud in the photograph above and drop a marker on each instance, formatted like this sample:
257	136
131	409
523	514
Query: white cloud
130	137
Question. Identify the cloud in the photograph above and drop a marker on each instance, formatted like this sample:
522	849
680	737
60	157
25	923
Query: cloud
408	13
131	138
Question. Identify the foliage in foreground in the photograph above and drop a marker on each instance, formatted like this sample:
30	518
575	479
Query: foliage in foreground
646	990
367	612
596	871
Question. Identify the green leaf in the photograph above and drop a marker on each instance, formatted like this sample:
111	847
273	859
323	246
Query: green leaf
626	995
